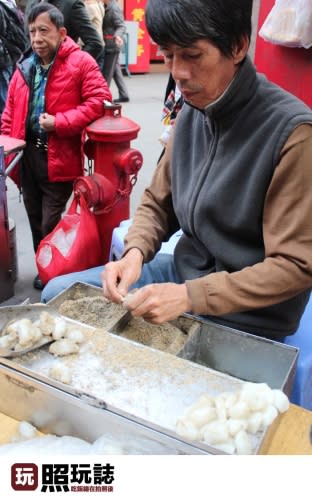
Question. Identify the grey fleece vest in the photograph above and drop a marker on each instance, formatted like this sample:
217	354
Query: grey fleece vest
224	159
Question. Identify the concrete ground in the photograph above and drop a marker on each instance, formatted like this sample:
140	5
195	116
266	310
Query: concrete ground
146	100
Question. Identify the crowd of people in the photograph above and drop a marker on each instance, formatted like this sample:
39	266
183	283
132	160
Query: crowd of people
63	61
234	174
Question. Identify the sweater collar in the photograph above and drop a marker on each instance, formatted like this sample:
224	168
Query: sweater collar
238	92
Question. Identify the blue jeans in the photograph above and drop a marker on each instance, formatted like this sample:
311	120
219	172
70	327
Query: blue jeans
160	270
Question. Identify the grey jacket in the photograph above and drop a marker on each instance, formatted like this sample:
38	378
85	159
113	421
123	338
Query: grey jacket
113	25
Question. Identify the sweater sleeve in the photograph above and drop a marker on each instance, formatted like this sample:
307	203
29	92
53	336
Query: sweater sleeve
287	267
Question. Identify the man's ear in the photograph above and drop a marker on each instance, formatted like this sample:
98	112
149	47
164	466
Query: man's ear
63	32
240	50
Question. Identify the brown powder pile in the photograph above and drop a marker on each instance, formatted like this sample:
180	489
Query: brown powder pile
156	336
101	313
94	311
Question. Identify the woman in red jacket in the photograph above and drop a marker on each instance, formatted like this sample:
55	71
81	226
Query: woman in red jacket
53	95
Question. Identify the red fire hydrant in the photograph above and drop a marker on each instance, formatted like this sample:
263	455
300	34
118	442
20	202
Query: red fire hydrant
115	166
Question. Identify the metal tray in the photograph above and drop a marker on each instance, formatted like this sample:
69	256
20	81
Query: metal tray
155	388
143	385
74	292
55	411
242	355
113	317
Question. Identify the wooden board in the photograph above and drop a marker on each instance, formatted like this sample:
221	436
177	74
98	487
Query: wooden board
290	434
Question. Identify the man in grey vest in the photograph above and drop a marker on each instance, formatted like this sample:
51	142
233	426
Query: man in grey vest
236	176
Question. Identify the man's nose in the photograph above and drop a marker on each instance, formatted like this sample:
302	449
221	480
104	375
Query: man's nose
35	35
179	70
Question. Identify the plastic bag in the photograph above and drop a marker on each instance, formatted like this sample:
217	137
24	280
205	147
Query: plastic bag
73	245
289	23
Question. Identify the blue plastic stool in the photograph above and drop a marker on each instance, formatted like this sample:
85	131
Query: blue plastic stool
120	232
302	389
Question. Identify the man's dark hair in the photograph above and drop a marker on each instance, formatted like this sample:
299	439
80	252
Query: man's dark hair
182	22
55	15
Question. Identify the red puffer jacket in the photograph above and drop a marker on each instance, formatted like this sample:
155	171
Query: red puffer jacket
74	94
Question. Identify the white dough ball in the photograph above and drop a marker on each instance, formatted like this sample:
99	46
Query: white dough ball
239	410
46	323
61	372
63	347
187	429
220	408
280	400
255	423
242	443
5	342
75	335
203	401
268	415
59	329
255	386
201	416
25	333
26	430
230	398
215	432
36	334
228	447
235	425
106	446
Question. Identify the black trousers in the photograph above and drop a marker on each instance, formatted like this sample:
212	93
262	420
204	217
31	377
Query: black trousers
110	62
44	201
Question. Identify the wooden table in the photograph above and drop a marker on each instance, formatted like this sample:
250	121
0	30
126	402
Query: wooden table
289	435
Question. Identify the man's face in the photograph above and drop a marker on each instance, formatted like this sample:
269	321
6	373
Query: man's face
45	37
201	71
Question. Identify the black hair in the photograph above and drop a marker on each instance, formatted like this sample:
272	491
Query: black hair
182	22
55	15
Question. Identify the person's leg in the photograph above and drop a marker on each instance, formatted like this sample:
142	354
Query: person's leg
121	84
54	199
60	283
32	195
110	61
160	270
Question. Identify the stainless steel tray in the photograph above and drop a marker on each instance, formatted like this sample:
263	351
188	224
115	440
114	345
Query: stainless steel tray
55	411
74	292
143	385
151	388
248	357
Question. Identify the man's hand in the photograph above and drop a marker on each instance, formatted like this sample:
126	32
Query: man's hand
159	302
47	122
118	41
118	276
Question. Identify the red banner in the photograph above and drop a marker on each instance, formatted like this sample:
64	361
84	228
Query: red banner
134	11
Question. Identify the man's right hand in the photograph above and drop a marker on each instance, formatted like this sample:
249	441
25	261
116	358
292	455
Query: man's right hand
119	275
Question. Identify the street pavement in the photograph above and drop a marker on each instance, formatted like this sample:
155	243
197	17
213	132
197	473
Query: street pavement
146	100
